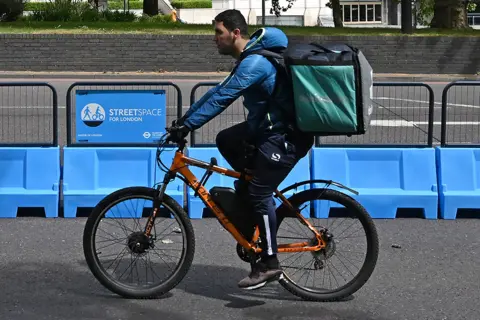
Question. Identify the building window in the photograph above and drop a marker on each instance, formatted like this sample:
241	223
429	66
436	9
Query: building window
282	20
474	20
361	13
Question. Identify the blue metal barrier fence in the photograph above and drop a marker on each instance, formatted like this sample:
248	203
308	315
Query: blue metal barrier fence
29	151
113	129
397	145
458	156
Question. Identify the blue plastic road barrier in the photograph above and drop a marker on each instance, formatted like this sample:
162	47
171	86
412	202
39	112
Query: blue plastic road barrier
301	172
386	179
89	174
195	204
29	177
458	180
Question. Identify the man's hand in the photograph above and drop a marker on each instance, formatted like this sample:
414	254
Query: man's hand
178	122
178	133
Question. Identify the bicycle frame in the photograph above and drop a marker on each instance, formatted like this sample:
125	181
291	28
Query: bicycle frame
180	166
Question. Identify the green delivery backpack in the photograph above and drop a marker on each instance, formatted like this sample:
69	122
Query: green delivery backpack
331	86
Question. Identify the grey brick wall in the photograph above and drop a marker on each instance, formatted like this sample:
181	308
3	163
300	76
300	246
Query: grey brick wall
430	55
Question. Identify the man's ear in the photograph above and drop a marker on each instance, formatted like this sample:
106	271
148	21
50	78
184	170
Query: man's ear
236	33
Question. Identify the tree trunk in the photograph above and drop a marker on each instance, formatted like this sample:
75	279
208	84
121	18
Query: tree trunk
150	7
102	5
337	13
449	14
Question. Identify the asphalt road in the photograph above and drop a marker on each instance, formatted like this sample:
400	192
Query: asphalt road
400	116
434	275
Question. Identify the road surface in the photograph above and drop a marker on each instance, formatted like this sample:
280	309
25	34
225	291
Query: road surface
434	275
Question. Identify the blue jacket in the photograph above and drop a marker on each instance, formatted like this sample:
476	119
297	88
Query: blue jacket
254	79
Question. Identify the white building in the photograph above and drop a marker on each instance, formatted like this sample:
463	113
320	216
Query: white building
303	12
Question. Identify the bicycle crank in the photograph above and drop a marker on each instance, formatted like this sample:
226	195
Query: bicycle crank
244	255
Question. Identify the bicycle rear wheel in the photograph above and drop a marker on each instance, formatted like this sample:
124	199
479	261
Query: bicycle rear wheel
139	251
322	262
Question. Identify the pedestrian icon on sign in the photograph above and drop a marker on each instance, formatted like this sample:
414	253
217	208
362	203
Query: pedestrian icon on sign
90	118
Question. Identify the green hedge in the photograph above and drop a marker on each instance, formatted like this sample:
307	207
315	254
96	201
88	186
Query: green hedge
113	5
118	5
34	6
135	5
190	4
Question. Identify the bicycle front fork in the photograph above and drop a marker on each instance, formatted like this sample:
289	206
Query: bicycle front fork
157	200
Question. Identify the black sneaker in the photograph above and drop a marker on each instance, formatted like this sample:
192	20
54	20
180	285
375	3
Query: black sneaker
259	276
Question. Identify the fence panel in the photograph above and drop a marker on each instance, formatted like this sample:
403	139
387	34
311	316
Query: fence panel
403	116
236	113
461	114
28	114
459	152
118	118
30	170
170	92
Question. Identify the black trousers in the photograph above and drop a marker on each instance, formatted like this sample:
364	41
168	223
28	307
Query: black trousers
272	160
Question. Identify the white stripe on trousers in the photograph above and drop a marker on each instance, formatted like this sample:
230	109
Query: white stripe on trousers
267	234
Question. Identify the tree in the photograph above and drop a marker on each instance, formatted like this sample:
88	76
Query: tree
11	10
450	14
276	8
150	7
337	13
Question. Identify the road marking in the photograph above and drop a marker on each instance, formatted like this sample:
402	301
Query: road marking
439	104
60	107
423	102
405	123
30	107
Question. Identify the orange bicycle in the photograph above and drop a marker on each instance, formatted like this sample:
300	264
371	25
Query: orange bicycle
141	243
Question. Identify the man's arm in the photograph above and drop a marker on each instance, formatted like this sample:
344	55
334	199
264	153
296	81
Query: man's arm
252	70
201	101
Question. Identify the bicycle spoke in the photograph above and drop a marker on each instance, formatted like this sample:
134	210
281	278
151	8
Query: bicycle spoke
150	264
330	267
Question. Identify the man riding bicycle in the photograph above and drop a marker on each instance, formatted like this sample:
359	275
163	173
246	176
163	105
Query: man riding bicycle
265	143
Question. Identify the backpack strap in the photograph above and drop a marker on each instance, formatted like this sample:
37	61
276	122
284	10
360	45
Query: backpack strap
276	58
282	73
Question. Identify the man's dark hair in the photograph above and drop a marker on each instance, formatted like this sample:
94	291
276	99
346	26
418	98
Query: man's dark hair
233	19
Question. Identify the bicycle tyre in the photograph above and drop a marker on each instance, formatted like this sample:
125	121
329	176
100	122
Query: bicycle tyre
127	291
372	248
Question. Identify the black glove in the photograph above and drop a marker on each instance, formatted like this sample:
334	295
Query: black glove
179	122
178	133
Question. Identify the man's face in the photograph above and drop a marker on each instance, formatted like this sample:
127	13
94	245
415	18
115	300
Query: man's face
224	39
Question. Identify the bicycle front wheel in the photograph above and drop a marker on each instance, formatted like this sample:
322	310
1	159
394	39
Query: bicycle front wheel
155	264
327	274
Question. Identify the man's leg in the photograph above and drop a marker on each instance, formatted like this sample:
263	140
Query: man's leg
230	144
274	161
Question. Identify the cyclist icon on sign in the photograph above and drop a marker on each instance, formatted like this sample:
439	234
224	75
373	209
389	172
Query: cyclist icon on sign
98	115
93	119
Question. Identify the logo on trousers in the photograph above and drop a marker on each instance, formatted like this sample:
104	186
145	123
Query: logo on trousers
275	157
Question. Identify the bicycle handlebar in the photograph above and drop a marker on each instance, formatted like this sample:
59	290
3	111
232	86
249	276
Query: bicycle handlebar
168	138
